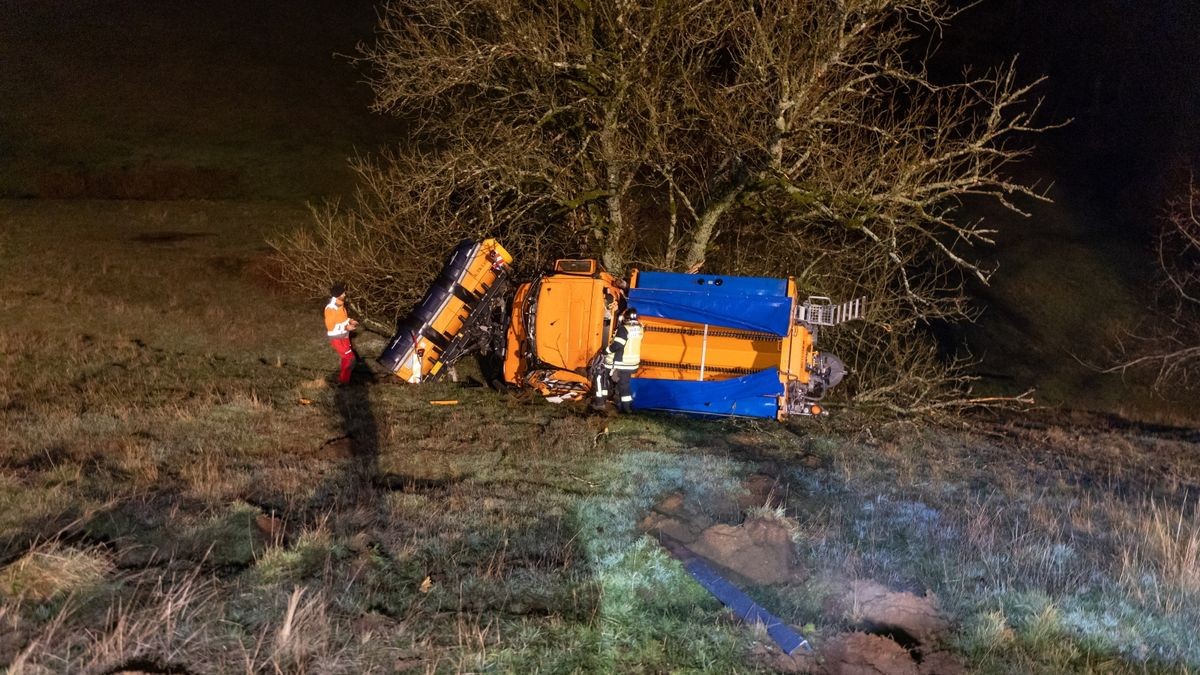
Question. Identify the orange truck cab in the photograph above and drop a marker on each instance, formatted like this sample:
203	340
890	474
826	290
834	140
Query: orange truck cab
559	322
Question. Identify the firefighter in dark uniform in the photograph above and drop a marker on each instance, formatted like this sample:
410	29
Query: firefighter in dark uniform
621	361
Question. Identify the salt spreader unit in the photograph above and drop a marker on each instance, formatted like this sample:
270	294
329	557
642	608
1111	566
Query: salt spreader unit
712	345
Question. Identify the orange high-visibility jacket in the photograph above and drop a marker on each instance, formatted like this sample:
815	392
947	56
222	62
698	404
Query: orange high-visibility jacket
337	322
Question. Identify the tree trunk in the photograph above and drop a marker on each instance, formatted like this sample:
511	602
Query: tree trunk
707	226
612	256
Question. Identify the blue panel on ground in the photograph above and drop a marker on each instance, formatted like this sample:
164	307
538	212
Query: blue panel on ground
753	395
748	303
745	608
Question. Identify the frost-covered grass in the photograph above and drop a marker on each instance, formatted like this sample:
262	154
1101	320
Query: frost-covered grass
1053	557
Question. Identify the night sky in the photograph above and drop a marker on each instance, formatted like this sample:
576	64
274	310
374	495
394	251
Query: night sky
1124	71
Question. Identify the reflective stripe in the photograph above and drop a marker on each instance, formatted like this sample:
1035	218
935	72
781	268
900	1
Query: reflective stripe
631	356
337	321
415	362
626	399
619	340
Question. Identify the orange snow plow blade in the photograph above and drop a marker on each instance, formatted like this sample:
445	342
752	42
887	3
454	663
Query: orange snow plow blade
454	317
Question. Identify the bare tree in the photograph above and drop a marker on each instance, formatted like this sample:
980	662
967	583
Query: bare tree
1170	345
796	137
409	211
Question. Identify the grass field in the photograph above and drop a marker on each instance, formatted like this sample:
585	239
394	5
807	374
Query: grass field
215	100
180	491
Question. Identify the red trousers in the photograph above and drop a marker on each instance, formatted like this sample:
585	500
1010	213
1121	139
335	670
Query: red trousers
342	346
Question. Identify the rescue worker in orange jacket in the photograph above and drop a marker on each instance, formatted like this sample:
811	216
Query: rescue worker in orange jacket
338	326
622	358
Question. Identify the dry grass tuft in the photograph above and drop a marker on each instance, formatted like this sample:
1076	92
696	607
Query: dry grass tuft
1160	555
167	624
302	634
53	571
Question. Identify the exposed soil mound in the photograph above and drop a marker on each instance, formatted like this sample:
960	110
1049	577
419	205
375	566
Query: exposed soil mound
863	654
884	609
942	663
769	656
761	491
759	550
676	518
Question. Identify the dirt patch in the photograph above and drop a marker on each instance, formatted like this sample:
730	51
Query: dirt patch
270	527
902	631
942	663
676	518
668	527
758	550
770	656
863	654
884	610
761	491
897	633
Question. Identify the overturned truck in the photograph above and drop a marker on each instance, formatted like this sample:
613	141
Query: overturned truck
712	345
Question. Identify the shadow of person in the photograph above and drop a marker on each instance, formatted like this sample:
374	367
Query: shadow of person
353	405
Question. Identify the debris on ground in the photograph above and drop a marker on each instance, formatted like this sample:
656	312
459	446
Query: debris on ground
896	632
